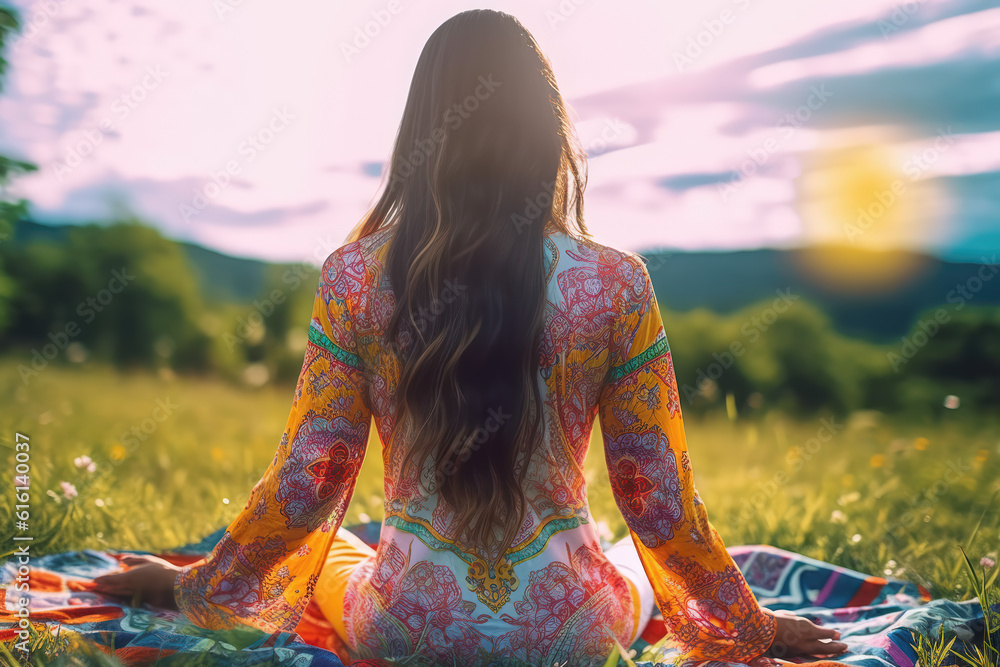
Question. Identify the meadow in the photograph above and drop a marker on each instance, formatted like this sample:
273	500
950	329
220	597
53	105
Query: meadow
172	458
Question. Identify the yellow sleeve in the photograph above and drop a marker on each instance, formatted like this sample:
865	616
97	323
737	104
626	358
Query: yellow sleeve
709	610
263	571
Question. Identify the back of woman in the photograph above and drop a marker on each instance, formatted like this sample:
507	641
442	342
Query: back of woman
471	319
551	595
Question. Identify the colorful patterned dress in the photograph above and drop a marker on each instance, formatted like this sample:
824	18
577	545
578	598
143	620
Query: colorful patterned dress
553	597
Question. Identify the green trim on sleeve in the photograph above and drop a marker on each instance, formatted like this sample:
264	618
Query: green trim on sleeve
318	337
659	347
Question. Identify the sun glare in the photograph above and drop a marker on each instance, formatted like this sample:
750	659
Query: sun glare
860	203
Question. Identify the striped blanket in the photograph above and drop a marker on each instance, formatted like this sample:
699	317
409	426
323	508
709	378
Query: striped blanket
878	618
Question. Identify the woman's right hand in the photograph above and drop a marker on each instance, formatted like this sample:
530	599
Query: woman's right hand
796	636
148	579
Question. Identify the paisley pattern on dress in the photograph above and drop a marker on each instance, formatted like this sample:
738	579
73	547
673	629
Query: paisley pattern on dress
569	605
553	597
413	607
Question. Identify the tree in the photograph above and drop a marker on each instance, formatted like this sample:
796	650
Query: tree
11	210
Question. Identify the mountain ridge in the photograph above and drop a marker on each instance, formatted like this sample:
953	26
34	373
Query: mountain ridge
720	281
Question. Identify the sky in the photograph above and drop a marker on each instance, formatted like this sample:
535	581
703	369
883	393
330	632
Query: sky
260	129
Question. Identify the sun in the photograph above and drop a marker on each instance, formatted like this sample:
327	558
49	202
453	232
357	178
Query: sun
860	207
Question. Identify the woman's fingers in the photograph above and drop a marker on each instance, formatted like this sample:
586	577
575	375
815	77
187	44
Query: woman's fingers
825	648
117	583
108	580
139	559
826	633
112	589
147	580
821	641
800	636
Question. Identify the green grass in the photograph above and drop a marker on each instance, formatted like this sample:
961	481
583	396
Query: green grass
877	496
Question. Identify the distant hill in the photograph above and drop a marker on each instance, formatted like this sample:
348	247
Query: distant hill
719	281
727	281
223	277
226	278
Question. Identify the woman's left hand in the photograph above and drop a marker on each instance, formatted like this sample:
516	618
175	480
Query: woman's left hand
148	580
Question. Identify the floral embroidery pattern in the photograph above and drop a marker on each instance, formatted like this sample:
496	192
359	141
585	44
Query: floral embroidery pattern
553	597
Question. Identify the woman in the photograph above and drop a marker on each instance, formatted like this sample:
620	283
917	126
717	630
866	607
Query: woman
476	322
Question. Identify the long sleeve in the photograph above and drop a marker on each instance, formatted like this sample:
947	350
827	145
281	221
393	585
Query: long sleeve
264	570
709	610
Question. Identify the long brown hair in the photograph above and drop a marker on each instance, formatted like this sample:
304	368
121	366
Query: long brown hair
485	159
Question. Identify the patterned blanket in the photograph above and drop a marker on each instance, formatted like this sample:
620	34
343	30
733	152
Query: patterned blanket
876	617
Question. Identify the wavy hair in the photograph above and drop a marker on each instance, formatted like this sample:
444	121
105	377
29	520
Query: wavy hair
484	160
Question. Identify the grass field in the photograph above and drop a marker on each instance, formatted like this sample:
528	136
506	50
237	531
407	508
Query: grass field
175	458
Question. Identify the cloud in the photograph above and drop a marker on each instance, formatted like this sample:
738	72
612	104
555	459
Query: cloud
683	182
653	183
157	202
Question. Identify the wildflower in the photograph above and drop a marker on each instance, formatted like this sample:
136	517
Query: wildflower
838	517
987	562
848	498
856	538
117	453
920	444
952	402
68	490
85	462
877	461
981	456
218	455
